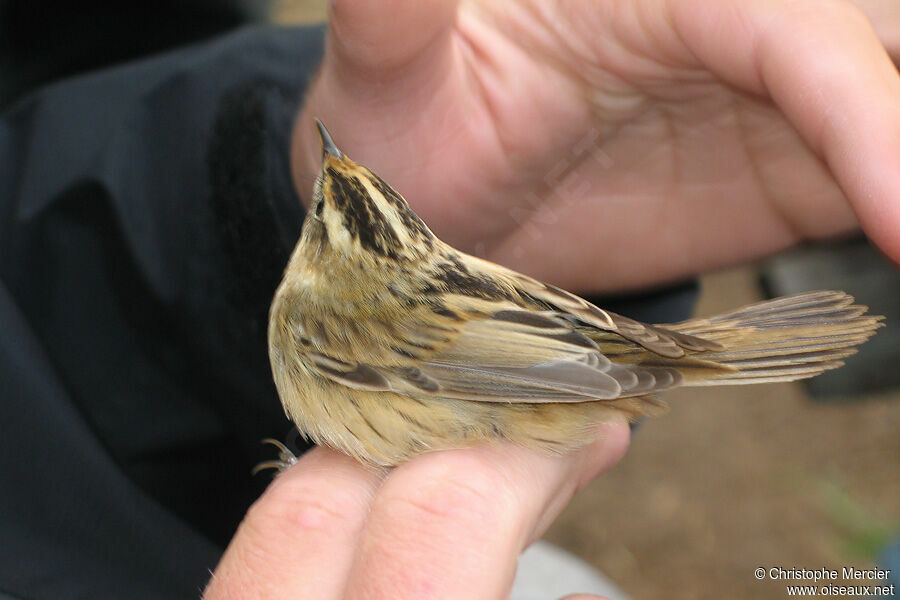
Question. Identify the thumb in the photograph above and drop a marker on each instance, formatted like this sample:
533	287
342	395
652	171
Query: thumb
379	36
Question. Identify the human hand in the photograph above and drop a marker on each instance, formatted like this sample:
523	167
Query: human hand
602	145
443	525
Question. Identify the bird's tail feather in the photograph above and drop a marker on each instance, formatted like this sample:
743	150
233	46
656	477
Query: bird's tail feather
778	340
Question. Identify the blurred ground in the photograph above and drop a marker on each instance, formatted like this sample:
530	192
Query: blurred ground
299	11
733	478
738	478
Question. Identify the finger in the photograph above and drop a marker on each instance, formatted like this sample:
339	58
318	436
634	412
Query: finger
298	539
452	524
823	65
885	18
376	37
384	62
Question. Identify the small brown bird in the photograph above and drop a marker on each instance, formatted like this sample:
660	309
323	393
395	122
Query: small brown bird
386	342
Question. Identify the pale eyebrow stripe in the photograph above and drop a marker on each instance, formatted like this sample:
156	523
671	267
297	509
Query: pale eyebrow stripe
389	212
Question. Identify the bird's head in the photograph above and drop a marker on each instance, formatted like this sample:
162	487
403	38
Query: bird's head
356	217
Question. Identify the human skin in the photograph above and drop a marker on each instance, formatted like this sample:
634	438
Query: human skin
601	146
445	525
717	132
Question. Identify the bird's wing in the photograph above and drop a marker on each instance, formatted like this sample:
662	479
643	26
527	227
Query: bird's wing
655	338
507	355
523	356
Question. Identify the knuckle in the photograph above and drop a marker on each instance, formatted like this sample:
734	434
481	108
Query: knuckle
301	507
458	489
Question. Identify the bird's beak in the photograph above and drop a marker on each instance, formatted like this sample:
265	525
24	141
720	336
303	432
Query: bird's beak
328	146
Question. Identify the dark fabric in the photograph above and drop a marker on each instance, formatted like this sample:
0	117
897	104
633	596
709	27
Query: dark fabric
146	213
42	40
664	305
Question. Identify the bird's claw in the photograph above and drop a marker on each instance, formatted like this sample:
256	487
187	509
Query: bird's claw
285	459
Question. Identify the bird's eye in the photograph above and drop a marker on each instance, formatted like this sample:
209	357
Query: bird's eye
318	196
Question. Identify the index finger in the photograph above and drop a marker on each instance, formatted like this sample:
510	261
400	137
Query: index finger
298	539
452	524
824	66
